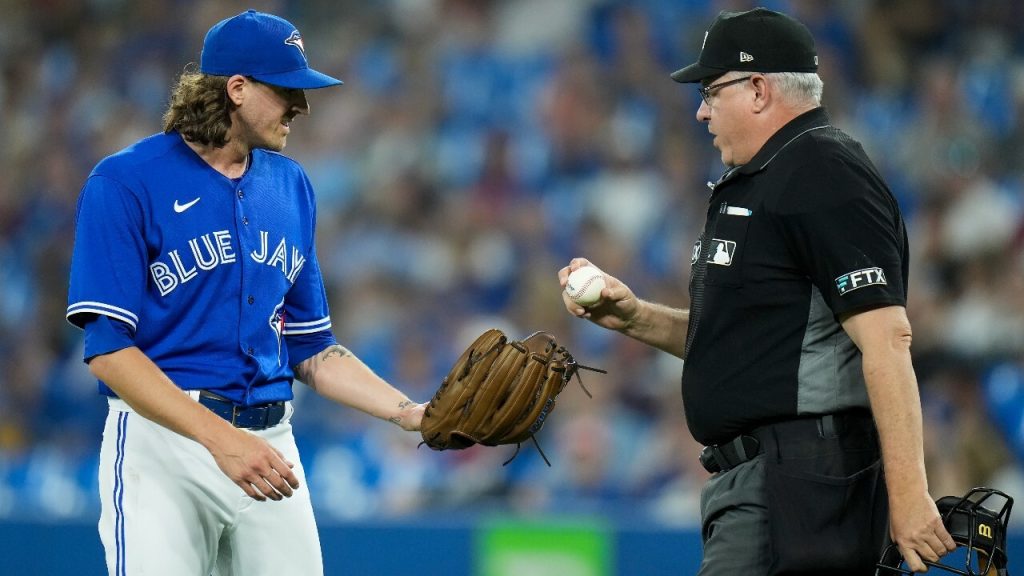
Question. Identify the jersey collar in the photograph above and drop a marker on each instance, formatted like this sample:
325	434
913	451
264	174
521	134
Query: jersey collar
811	120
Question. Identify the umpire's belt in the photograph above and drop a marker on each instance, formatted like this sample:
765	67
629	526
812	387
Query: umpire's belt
722	457
250	417
851	424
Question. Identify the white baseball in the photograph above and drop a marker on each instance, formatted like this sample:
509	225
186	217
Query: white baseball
585	285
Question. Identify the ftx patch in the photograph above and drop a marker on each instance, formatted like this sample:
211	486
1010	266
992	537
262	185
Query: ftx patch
859	279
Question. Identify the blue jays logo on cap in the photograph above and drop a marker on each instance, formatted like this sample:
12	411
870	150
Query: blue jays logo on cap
260	45
296	40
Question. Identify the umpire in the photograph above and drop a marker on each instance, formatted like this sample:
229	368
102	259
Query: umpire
798	375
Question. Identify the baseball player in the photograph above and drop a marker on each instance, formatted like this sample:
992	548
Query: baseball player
195	278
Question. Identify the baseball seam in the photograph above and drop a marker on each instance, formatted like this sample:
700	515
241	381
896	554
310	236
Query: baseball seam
579	293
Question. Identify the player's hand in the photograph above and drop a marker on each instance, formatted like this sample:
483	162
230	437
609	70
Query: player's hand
409	416
618	305
258	468
916	528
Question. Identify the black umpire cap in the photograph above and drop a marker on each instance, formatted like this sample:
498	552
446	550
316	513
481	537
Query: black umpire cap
758	40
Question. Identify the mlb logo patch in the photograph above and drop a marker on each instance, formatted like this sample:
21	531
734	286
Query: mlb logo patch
722	252
860	278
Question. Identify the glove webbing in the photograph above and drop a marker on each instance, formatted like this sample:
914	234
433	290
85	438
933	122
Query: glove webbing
570	368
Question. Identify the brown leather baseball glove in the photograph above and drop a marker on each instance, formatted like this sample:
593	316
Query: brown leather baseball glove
499	391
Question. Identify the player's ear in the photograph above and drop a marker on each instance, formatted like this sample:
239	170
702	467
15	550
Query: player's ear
234	88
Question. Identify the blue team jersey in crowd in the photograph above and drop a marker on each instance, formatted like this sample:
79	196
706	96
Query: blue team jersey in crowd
217	279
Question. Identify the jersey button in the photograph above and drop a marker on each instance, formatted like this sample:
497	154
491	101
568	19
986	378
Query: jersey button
245	221
251	299
251	351
241	194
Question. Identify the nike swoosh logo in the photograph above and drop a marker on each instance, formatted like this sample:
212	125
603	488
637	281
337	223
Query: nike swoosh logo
179	208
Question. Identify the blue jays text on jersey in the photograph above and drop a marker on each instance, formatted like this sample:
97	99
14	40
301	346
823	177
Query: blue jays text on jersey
218	248
217	278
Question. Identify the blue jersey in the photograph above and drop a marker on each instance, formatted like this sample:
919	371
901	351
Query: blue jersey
216	279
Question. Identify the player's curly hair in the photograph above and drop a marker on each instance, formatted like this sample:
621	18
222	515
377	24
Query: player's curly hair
199	108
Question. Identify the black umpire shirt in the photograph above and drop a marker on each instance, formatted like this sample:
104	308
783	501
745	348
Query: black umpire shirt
804	233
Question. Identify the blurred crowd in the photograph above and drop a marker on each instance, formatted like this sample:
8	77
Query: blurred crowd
475	147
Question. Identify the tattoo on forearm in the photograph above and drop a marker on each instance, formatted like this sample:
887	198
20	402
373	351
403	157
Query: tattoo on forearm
401	406
336	350
306	370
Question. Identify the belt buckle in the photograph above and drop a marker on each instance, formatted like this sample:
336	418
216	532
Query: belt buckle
234	414
707	459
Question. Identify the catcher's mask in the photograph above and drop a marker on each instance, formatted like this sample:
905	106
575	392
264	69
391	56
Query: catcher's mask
978	530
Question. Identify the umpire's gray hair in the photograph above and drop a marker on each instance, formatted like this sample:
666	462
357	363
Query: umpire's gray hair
799	88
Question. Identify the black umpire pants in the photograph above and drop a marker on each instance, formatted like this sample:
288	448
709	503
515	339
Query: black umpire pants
813	501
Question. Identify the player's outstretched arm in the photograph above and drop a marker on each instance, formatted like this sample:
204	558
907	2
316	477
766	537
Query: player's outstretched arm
335	373
619	309
258	468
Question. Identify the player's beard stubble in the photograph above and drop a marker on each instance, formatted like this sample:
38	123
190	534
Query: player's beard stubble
271	135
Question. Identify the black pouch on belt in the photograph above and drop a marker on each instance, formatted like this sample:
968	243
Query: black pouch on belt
827	502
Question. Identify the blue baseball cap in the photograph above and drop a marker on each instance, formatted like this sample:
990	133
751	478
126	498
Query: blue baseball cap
263	46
